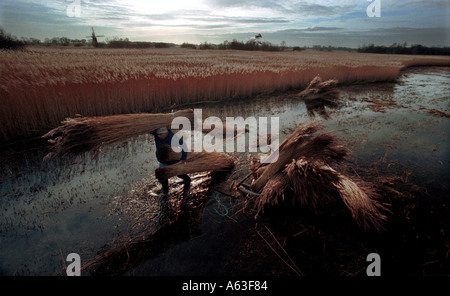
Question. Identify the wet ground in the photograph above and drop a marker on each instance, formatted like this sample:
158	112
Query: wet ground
111	211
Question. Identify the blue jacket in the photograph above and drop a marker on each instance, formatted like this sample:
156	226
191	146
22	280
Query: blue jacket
168	141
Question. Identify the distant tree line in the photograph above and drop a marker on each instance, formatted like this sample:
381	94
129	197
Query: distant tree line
330	48
126	43
9	42
257	45
61	41
252	44
114	43
404	49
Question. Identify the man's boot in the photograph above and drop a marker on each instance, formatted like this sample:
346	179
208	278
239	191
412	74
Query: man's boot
165	186
186	179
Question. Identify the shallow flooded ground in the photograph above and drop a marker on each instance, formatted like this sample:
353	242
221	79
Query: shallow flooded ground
92	205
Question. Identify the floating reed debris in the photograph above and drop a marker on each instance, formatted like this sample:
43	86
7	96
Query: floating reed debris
82	134
303	176
196	162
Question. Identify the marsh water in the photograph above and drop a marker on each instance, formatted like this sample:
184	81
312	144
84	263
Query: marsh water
89	203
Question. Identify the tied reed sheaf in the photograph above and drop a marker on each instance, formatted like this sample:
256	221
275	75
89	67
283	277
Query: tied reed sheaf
196	162
303	176
41	86
319	89
83	134
320	94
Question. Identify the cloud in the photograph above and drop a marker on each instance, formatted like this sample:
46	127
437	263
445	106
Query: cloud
246	4
240	20
275	20
21	11
315	29
312	9
313	21
299	8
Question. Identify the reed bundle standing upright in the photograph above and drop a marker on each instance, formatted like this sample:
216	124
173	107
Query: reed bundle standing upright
304	176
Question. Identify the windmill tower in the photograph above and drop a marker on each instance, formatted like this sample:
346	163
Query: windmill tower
94	38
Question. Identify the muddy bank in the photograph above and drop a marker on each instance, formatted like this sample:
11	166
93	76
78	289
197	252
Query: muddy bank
202	242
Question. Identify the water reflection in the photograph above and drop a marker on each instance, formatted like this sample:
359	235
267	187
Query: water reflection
320	107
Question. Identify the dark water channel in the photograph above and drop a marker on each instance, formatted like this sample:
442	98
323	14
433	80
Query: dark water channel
87	204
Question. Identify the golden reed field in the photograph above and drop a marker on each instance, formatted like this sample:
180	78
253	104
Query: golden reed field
41	86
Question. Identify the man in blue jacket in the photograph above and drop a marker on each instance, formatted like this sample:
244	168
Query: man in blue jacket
164	136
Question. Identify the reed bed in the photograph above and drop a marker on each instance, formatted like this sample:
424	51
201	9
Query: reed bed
40	87
303	176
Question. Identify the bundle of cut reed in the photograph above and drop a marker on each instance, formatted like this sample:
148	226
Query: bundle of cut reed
320	94
82	134
304	143
196	162
321	89
303	176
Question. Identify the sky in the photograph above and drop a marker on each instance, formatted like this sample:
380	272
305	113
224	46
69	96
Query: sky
350	23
